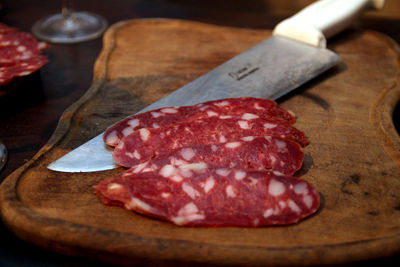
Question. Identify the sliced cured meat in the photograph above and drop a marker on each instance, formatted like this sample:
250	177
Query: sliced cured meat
12	37
28	66
24	40
147	143
250	152
20	54
14	54
162	117
18	46
22	68
5	29
212	196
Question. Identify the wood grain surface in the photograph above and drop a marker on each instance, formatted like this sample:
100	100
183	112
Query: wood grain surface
353	158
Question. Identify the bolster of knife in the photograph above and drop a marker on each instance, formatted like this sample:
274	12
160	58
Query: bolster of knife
323	19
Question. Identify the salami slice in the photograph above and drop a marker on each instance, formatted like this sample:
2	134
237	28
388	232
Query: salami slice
212	196
23	68
162	117
6	29
20	54
250	152
14	54
24	40
147	143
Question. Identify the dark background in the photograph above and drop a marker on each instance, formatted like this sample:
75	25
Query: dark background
32	106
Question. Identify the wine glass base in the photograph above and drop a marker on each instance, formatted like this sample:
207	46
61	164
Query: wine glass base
77	27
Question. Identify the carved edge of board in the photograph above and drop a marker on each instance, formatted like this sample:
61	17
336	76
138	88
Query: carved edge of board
109	43
381	111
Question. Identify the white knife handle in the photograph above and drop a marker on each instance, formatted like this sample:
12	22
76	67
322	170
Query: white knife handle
323	19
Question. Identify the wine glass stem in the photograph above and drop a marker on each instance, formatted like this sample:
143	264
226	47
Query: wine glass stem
66	9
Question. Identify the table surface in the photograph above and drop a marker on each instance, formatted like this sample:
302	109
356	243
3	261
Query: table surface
29	114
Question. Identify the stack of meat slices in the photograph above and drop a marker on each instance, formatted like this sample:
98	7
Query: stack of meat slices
20	54
226	162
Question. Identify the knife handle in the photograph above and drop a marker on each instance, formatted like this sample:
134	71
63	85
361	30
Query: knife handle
323	19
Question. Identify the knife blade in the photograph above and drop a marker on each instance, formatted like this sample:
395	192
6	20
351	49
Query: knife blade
295	54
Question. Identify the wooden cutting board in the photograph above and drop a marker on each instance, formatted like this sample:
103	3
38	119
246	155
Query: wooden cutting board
353	158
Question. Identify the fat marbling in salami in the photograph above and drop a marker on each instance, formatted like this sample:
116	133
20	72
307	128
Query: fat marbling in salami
20	54
147	143
162	117
198	195
250	152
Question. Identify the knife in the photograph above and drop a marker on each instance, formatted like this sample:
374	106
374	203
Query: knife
294	54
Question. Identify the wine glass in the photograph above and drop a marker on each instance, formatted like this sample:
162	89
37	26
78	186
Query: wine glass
69	26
